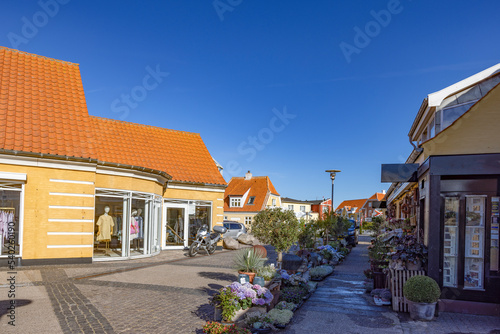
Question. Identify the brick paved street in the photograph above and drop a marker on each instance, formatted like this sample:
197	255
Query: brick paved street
169	293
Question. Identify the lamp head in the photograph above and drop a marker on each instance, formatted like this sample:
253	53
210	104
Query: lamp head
332	173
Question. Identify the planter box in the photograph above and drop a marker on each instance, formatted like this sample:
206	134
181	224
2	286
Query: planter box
379	280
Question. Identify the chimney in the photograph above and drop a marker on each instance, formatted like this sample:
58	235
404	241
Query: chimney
248	176
383	191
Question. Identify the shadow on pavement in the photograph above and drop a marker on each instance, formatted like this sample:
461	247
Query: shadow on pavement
5	304
218	276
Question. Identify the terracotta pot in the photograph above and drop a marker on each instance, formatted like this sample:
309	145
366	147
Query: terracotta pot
261	249
251	276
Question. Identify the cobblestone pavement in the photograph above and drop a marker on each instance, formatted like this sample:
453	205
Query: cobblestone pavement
170	293
340	305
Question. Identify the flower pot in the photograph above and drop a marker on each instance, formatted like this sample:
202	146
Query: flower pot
421	311
251	276
379	280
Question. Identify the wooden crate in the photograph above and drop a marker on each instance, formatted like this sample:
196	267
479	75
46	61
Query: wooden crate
397	279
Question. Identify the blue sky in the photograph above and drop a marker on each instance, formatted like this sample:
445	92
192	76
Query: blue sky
286	89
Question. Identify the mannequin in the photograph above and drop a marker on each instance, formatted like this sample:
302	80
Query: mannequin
105	226
134	228
140	222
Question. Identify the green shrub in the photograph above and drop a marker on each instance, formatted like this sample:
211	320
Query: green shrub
285	306
293	294
321	271
268	272
421	289
280	317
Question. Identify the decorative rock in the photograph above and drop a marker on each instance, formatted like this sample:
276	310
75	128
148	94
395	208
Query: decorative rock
291	262
231	243
248	239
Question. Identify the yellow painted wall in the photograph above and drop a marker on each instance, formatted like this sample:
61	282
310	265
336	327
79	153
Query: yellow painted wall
37	211
217	199
270	200
241	216
128	183
475	132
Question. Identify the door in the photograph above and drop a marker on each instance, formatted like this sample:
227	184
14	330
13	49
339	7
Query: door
175	232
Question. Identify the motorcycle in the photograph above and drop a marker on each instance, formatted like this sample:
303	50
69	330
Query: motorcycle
205	240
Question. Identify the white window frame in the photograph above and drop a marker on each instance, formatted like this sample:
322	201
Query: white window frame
273	201
235	202
302	208
248	220
290	207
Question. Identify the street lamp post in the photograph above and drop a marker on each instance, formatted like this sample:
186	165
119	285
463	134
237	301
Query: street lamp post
332	172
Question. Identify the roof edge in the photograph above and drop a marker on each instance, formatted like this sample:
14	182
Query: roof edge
38	56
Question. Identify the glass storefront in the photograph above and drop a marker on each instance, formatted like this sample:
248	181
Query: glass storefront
10	218
182	221
126	224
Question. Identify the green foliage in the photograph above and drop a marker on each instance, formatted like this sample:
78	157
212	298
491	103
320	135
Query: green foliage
376	225
332	226
277	227
258	320
285	306
320	271
293	294
267	272
280	317
421	289
228	302
218	328
249	260
378	250
307	235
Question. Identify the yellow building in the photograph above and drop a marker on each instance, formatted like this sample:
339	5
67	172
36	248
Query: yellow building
449	189
247	196
302	209
77	188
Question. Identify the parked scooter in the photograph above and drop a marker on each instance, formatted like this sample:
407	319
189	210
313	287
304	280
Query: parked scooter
205	240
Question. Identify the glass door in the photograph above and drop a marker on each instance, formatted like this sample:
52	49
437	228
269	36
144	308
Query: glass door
474	242
175	232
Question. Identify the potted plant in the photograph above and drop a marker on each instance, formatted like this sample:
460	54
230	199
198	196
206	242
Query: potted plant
410	251
226	304
422	294
280	318
248	261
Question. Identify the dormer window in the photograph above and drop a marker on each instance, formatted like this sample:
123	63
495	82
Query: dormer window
251	200
235	202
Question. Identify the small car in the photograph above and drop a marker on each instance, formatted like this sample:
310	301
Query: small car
352	233
234	229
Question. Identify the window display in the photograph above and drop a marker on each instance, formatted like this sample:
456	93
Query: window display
495	213
124	223
10	200
474	242
450	242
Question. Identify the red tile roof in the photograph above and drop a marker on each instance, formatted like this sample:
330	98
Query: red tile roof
43	110
181	154
260	187
42	106
378	196
353	203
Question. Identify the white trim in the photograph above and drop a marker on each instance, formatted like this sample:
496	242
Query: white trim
71	194
71	207
69	246
13	176
219	215
57	220
70	233
195	188
115	172
47	163
220	207
72	181
220	199
435	99
234	218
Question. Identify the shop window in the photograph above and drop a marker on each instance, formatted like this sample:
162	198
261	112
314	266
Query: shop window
450	242
474	242
10	218
126	223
